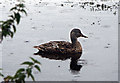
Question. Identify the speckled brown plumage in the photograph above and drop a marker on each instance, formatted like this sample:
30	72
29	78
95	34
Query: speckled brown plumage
59	47
62	49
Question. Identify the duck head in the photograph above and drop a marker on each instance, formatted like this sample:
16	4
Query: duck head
75	33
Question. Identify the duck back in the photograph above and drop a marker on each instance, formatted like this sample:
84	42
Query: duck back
59	47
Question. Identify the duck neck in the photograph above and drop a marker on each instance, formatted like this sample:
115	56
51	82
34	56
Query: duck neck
73	40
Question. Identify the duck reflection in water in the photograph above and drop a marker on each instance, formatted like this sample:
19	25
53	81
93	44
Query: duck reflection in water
62	50
73	63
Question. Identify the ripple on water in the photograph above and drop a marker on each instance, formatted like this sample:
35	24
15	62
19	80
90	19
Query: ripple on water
82	62
106	26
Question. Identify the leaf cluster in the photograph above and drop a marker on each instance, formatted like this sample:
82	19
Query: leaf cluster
23	73
8	27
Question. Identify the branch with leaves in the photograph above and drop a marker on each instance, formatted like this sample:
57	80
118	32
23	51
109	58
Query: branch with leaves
8	27
22	73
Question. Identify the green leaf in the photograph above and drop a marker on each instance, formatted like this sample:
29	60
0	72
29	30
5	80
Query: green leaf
21	76
11	34
4	23
10	21
8	78
1	69
1	75
34	60
14	8
22	10
20	70
37	67
17	17
29	71
5	30
27	63
12	17
1	21
32	77
16	75
23	81
14	28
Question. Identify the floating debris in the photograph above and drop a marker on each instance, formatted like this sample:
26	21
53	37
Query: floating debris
106	47
36	4
98	22
11	53
33	27
26	41
115	13
91	3
62	5
97	7
72	5
108	44
93	23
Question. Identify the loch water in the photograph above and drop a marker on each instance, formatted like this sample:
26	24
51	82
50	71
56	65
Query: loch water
51	21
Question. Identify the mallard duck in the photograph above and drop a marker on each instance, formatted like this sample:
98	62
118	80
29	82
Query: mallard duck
63	47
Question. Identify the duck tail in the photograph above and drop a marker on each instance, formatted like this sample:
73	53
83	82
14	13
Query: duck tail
36	53
36	47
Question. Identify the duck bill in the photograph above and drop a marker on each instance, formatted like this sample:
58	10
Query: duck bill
83	36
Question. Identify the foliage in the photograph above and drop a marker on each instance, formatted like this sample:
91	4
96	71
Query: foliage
22	73
8	27
1	73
